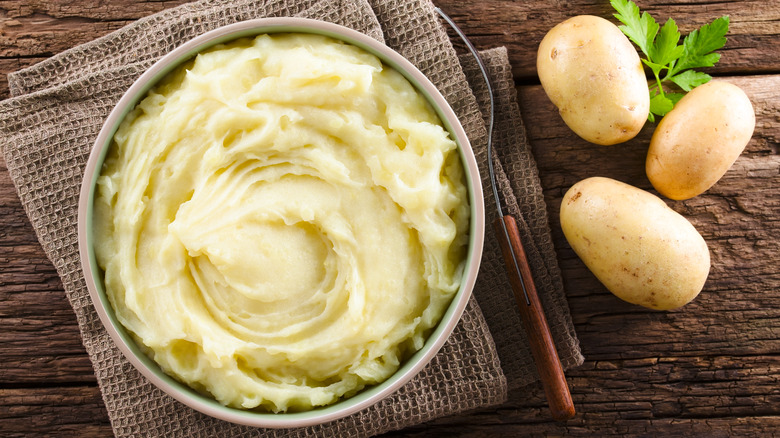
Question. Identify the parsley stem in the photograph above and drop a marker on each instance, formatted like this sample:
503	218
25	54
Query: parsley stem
658	81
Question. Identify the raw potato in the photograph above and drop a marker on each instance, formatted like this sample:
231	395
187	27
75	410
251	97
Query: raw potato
640	249
593	74
699	140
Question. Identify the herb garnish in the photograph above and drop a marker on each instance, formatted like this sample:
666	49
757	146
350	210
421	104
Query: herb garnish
665	56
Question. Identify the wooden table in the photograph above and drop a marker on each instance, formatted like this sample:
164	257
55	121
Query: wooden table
711	368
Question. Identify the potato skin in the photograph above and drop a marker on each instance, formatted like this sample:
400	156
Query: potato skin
698	141
593	74
640	249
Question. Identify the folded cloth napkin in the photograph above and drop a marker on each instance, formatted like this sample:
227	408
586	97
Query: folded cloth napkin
58	106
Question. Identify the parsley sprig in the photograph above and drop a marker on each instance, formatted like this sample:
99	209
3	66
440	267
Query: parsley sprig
668	60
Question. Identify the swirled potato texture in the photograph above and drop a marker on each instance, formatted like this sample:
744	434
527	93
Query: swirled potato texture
281	222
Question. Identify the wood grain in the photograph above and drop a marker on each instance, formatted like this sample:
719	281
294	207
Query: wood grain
753	40
74	411
711	368
31	31
39	29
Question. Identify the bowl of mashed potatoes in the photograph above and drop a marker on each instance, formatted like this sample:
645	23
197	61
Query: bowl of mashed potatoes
281	222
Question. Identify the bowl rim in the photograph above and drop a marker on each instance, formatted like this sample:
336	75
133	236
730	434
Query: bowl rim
366	397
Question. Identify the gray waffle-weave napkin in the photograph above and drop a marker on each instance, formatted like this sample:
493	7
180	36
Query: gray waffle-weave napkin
58	106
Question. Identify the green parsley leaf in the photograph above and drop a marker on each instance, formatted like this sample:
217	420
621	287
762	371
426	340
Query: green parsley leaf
667	59
640	29
665	48
656	68
660	104
689	79
699	45
675	97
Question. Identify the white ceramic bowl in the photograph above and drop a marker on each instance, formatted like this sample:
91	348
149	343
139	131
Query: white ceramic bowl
93	274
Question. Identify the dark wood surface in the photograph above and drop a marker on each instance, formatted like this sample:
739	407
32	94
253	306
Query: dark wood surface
711	368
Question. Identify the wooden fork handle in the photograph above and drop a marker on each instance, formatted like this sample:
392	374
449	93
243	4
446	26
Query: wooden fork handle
542	346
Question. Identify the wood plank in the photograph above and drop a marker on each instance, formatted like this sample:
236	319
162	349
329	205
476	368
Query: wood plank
753	40
709	427
75	411
669	397
43	28
41	35
92	9
723	395
31	31
40	29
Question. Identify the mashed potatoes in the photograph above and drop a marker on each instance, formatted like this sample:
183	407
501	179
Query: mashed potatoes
281	222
